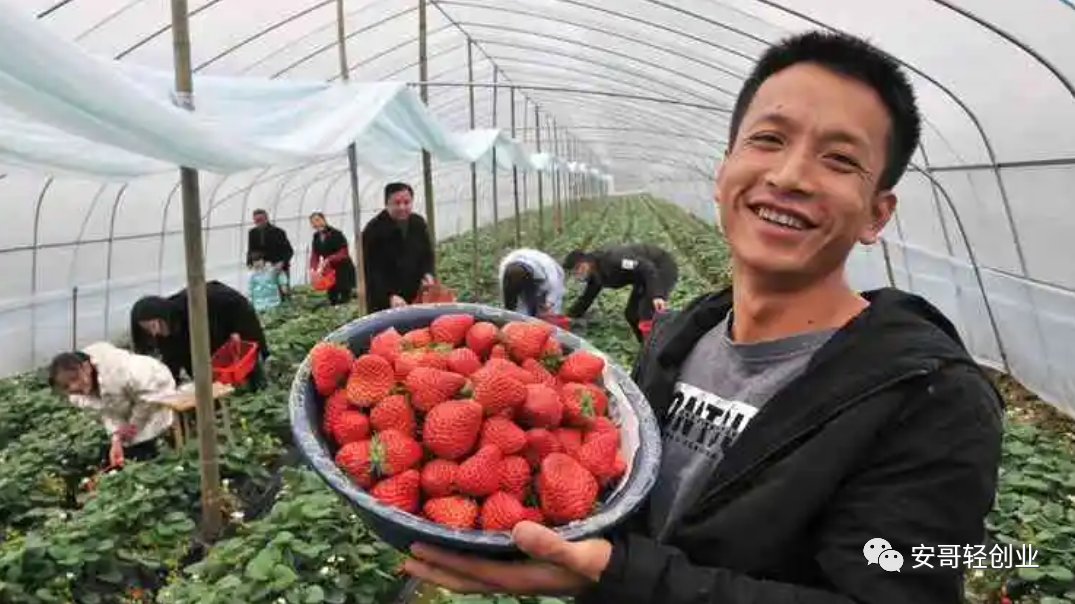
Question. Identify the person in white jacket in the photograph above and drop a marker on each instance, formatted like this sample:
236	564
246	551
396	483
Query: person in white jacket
115	384
532	282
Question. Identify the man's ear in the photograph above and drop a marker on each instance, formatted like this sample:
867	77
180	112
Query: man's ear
882	208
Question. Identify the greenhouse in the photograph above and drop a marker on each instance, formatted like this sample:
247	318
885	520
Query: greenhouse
140	140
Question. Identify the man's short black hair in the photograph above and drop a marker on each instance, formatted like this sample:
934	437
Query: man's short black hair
65	361
260	212
853	58
574	257
395	187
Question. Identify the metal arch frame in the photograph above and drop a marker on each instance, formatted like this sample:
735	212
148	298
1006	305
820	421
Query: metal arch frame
111	246
33	262
85	222
593	47
624	110
593	28
716	66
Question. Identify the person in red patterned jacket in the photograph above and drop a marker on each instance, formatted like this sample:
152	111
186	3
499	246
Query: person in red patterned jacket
328	253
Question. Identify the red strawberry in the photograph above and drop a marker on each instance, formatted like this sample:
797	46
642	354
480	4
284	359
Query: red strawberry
438	477
553	354
393	452
515	476
570	439
454	511
393	413
498	352
482	336
451	429
400	491
387	344
501	512
451	329
497	365
353	427
417	338
599	457
533	514
601	425
503	433
429	387
582	403
581	366
525	340
335	407
464	361
354	459
499	391
372	377
538	371
540	443
567	490
479	474
542	407
330	364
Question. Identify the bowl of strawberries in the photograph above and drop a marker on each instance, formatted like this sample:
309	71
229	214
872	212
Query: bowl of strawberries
450	423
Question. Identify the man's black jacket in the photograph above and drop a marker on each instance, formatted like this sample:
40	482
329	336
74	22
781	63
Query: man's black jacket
635	264
395	263
272	242
893	432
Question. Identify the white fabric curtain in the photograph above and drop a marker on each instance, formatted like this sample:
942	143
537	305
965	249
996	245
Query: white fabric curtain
65	111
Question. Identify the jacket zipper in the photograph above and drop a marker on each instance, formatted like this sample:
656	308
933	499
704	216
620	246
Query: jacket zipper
713	495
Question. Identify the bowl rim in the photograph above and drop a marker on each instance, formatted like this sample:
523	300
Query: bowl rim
314	448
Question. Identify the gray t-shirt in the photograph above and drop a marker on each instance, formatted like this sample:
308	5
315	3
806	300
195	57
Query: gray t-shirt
721	387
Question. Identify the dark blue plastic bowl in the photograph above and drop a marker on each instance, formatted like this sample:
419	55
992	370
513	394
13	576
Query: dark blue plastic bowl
627	406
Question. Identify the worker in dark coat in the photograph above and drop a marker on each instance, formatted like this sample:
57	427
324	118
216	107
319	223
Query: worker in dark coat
650	271
162	325
272	243
398	253
328	252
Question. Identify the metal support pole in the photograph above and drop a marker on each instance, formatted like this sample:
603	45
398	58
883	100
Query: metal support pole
209	461
558	180
427	160
74	318
473	177
526	174
496	181
352	165
540	180
515	179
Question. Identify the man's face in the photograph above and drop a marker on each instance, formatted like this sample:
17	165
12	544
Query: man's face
154	327
583	269
798	187
399	205
260	220
76	381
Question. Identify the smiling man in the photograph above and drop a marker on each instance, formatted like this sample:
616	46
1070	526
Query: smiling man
802	420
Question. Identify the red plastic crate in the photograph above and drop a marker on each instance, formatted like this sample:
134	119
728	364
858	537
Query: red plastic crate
234	361
561	321
324	281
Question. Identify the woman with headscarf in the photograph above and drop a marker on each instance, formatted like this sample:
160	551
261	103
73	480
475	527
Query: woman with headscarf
116	385
162	325
328	253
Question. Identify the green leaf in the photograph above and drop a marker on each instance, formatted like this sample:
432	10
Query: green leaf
283	577
261	566
1030	573
336	596
1060	573
314	594
113	576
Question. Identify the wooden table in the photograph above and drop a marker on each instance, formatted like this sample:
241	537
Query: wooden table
184	404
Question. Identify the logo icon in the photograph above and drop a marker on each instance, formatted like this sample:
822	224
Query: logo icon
879	551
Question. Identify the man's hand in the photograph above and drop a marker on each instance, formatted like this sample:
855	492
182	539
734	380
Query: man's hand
127	431
396	302
115	454
659	304
557	567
